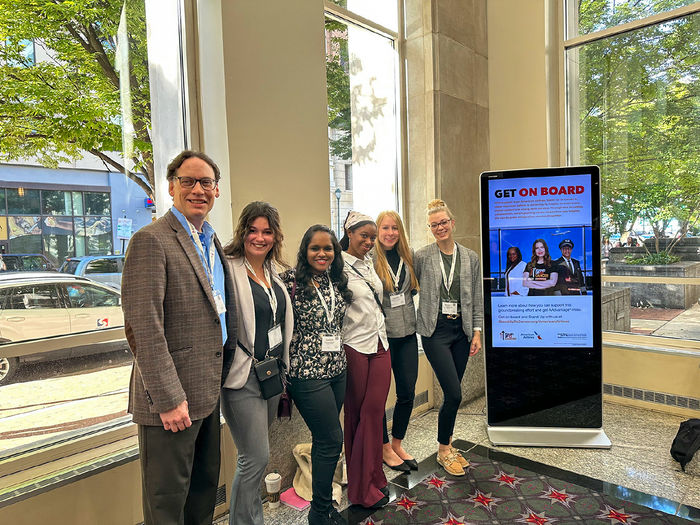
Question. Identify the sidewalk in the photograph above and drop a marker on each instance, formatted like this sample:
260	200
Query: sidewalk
684	324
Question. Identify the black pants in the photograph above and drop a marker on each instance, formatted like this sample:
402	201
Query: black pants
319	402
180	472
404	363
447	351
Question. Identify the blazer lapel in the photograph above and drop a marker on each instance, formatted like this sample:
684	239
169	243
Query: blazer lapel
435	256
183	237
245	300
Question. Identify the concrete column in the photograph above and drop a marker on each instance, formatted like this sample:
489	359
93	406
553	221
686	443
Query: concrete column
448	124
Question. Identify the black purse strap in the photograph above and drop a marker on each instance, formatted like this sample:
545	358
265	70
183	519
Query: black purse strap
374	292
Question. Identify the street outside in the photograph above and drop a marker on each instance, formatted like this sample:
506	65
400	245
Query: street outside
49	399
683	324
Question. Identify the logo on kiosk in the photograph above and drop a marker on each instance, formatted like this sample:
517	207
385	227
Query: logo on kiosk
507	336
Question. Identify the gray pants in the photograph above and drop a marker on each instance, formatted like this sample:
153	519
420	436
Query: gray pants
248	416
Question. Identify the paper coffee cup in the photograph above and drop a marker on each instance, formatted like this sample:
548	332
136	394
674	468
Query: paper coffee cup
273	483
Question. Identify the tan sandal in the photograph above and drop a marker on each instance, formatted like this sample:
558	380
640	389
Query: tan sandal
451	464
462	461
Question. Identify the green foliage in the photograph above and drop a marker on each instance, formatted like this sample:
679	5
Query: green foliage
653	259
68	102
639	115
338	86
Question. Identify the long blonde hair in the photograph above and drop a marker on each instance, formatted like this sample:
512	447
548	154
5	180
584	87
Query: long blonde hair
382	265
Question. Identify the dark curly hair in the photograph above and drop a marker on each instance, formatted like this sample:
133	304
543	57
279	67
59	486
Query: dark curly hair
304	273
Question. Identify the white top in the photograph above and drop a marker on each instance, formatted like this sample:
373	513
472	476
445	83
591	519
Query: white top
514	279
364	322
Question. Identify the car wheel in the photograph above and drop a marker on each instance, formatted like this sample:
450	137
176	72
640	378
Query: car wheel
8	368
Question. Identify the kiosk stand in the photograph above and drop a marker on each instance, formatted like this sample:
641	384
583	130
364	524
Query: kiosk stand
542	333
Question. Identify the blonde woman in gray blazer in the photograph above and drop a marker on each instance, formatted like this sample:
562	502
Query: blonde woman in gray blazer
253	254
449	320
393	262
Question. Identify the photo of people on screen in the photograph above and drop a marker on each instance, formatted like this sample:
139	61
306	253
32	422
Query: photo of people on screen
570	277
541	274
515	267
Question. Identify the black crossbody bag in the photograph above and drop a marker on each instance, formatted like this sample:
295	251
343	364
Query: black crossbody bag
269	372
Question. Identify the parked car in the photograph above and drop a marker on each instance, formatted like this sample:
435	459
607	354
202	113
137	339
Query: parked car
25	262
106	269
41	305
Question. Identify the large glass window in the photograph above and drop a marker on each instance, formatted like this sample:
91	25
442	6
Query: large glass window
363	126
633	105
75	154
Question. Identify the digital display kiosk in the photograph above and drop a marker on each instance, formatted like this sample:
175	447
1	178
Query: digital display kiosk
542	333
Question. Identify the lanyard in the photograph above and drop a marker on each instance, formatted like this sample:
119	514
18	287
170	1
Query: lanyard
271	296
200	248
396	276
445	281
329	313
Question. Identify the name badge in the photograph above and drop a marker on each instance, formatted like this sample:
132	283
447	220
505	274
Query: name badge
330	342
449	307
397	299
274	336
219	302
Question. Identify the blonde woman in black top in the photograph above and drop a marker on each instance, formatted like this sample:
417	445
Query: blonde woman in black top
393	262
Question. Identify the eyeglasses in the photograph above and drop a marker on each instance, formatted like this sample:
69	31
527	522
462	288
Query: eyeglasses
442	224
190	182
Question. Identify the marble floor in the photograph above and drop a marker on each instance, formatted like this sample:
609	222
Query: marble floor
637	468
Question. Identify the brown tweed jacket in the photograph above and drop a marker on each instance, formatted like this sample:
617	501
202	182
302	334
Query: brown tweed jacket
171	324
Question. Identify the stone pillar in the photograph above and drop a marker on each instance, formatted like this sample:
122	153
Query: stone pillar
448	124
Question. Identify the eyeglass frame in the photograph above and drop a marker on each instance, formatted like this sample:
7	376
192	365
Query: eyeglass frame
195	181
435	225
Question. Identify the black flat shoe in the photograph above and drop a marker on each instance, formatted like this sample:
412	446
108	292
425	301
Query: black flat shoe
382	502
401	467
385	490
412	463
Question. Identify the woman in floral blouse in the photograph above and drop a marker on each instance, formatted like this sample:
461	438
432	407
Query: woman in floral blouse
319	292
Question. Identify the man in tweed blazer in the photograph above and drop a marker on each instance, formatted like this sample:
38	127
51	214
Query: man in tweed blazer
180	322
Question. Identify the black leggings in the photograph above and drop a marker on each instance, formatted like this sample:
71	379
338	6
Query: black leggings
319	402
404	363
447	351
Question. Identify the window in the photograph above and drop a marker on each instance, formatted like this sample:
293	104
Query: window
89	296
103	266
633	108
361	66
21	201
62	186
56	203
34	296
96	203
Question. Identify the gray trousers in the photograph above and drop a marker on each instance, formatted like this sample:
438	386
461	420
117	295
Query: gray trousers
248	416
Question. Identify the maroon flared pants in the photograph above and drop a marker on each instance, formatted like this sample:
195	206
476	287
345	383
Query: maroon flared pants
369	378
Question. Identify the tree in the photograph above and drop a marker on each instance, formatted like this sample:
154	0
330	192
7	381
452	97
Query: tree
59	108
338	88
639	117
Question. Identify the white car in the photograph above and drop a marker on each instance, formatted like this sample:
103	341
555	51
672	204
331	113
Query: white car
40	305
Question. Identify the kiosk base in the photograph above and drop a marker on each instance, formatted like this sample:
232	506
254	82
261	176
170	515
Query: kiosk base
548	437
